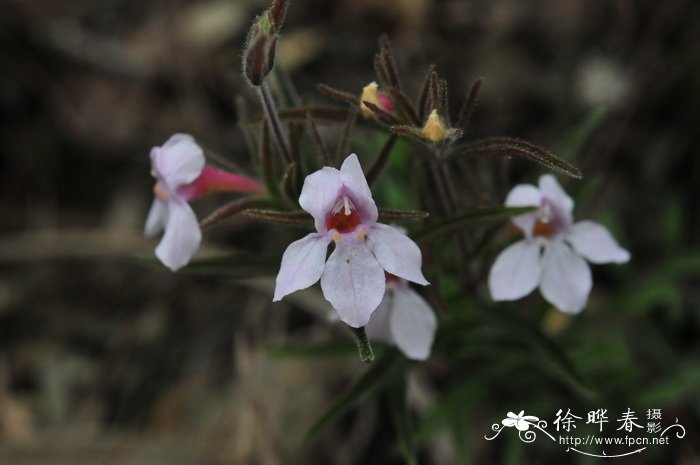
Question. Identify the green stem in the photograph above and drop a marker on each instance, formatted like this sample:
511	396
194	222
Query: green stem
268	104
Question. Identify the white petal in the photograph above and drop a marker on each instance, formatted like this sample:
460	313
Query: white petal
516	271
413	324
524	195
509	422
179	161
319	194
182	236
550	188
157	217
566	278
354	179
594	242
396	252
378	328
353	282
302	264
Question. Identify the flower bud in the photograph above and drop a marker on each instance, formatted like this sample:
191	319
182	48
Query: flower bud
372	94
259	52
434	129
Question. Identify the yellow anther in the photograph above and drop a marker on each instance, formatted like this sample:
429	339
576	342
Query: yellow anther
336	236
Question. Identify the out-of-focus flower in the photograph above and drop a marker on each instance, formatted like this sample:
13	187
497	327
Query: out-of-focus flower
344	212
434	129
403	319
181	176
552	253
372	94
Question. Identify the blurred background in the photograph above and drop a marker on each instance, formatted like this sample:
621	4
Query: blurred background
105	358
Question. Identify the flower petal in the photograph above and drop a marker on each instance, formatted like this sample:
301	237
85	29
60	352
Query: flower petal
396	252
516	271
509	422
378	328
550	188
412	323
179	161
182	236
354	179
319	193
594	242
157	217
302	264
524	195
353	282
566	278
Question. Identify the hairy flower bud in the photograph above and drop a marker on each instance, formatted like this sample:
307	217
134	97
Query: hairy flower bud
372	94
259	52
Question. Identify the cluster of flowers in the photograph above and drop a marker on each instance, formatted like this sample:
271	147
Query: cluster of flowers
365	278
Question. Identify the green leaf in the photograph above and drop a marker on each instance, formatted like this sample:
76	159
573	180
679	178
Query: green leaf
450	225
509	147
369	382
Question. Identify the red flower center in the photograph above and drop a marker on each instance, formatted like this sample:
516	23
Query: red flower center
344	217
543	229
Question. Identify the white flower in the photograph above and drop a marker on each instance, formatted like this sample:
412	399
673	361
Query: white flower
344	212
552	253
403	319
520	421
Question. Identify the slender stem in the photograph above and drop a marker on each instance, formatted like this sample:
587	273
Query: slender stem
447	194
363	346
270	109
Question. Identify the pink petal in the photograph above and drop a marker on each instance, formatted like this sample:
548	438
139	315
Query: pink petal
182	236
216	180
566	278
354	179
179	161
550	188
378	329
157	217
396	252
516	271
302	264
594	242
353	282
524	195
319	194
413	324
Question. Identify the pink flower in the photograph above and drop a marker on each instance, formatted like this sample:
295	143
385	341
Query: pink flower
403	319
552	253
344	212
181	176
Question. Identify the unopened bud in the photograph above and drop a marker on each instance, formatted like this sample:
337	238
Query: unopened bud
372	94
259	52
434	130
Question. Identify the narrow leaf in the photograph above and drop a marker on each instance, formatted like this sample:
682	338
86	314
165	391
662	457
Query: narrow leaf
324	156
389	63
297	218
424	94
399	215
229	210
469	104
456	223
339	94
376	169
404	106
344	144
506	147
